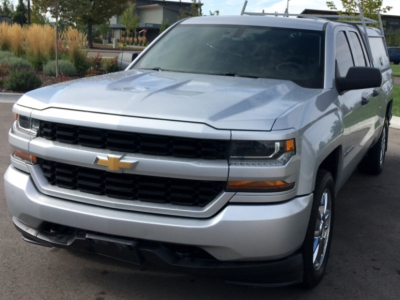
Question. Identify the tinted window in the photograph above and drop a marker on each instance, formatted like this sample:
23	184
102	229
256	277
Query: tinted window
243	51
380	58
344	58
358	51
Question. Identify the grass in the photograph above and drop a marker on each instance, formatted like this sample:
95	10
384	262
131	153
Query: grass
396	101
396	70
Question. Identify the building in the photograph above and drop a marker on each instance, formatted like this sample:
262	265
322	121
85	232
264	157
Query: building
152	13
390	21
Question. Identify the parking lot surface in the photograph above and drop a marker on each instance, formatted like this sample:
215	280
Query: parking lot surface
364	261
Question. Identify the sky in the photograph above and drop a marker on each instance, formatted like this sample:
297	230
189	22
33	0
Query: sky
234	7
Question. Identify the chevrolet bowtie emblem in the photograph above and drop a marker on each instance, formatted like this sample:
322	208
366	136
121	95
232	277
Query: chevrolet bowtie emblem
114	162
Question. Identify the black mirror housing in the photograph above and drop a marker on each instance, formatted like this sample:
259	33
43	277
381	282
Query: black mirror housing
359	78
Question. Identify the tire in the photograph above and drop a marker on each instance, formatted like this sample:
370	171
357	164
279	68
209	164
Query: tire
373	162
317	243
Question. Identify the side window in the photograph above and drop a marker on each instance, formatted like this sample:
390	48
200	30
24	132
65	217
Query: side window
344	59
380	58
358	51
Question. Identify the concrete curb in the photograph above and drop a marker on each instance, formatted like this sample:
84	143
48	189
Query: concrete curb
9	97
395	122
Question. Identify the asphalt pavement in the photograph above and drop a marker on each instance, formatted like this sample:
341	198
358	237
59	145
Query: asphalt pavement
364	261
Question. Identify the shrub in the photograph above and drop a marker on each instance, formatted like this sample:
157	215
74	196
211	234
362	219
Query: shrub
95	61
78	58
39	43
4	36
22	81
36	62
19	64
111	65
5	69
65	67
5	55
17	39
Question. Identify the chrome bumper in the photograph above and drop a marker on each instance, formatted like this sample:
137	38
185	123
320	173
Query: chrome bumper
236	233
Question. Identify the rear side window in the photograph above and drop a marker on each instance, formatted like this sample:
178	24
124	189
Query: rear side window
358	51
344	58
380	58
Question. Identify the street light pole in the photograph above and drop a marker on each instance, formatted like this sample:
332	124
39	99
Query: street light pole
57	67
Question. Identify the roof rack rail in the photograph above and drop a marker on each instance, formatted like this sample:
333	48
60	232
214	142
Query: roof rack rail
358	19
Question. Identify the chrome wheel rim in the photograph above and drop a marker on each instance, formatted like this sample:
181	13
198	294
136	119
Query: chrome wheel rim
383	146
322	229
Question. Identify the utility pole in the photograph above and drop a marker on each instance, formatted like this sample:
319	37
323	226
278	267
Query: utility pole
29	12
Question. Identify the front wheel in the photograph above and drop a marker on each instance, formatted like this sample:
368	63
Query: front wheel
318	239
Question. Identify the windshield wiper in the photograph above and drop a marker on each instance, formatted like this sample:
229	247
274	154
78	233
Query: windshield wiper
237	75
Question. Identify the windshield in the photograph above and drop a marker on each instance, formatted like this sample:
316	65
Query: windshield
242	51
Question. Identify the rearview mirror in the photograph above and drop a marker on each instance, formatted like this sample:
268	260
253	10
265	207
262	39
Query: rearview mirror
359	78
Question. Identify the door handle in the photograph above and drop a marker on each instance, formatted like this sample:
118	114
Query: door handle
375	93
364	101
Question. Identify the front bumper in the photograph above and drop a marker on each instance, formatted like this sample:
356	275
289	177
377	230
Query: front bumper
236	233
281	272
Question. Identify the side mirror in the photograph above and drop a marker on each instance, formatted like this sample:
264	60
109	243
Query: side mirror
359	78
125	58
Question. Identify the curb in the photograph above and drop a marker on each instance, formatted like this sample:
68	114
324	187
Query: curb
9	97
395	122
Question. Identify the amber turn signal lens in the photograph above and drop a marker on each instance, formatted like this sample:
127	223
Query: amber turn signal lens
289	145
259	186
25	156
15	117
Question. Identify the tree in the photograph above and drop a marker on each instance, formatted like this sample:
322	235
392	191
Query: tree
84	12
164	25
95	12
215	13
20	14
370	7
195	10
37	17
130	19
104	29
7	9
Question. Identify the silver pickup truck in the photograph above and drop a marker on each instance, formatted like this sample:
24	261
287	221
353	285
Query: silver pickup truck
218	151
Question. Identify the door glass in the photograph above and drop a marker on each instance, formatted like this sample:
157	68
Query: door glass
344	58
358	51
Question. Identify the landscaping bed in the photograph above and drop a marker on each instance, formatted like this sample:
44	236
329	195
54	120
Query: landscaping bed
27	57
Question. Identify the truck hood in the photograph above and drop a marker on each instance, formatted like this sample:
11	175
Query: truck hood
222	102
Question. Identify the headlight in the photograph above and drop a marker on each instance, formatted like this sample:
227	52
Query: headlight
262	153
27	124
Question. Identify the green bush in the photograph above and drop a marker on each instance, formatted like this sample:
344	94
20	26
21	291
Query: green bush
36	62
111	65
78	58
18	63
5	55
65	67
22	81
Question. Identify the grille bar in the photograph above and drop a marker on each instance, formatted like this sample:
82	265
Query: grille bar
132	187
135	142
